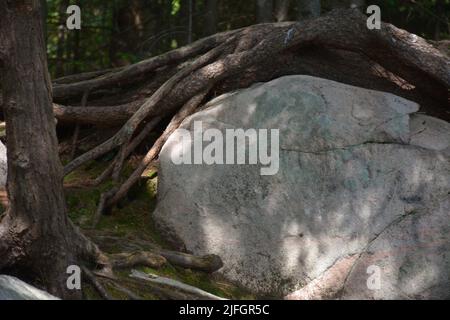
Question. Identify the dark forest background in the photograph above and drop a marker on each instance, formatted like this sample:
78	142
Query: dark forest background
119	32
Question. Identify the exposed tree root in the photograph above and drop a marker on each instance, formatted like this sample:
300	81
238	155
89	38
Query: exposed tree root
116	166
134	72
168	288
103	266
131	295
208	263
186	111
138	258
144	111
96	284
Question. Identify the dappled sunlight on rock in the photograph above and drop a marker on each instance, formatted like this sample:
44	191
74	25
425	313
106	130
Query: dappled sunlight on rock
349	195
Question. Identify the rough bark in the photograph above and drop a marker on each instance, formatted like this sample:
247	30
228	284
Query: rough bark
37	238
108	116
138	258
207	263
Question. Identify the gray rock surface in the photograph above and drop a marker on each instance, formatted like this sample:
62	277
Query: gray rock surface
430	133
12	288
356	189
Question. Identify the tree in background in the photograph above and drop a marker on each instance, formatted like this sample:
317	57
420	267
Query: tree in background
282	10
211	16
308	9
264	11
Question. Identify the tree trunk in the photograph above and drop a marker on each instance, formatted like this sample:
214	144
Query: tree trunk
190	20
264	10
440	12
44	9
184	18
128	27
212	11
282	10
61	38
36	236
308	9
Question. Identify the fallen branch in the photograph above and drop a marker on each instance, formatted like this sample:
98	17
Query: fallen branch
102	116
198	293
207	263
159	291
138	258
97	285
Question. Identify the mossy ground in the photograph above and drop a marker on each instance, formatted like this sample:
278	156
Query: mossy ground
132	220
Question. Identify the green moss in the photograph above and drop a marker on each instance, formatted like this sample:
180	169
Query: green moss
116	294
89	171
90	293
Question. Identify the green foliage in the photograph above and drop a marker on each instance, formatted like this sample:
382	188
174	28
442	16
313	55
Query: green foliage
426	18
175	7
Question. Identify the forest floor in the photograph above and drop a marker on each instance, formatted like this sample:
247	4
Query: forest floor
130	227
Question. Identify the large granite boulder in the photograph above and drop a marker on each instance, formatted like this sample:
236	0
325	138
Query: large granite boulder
362	191
12	288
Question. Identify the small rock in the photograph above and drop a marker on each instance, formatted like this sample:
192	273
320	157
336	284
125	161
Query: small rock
12	288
